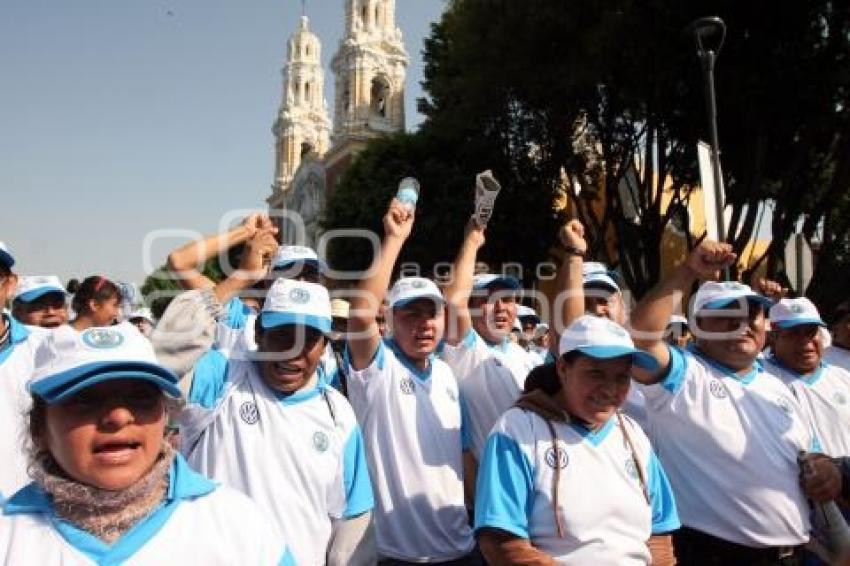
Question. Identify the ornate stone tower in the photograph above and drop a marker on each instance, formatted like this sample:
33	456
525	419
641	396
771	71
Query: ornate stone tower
302	124
369	69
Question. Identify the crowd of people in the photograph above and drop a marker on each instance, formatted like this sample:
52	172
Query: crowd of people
269	419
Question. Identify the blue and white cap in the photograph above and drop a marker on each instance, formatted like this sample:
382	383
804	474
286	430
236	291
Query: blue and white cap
595	273
408	289
68	361
487	280
32	287
714	295
601	338
6	257
788	313
288	256
144	313
297	302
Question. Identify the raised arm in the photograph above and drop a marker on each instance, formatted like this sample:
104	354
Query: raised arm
568	302
254	265
459	287
364	339
650	317
186	262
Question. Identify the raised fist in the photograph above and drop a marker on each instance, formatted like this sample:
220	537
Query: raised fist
571	235
398	221
708	258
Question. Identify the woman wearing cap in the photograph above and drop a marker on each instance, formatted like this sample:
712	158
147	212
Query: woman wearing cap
106	489
565	477
96	302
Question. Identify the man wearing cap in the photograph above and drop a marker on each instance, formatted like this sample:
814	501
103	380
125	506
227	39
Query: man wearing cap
17	348
143	320
40	300
822	389
270	427
727	430
838	353
489	367
408	403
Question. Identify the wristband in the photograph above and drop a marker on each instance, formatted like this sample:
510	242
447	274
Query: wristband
572	250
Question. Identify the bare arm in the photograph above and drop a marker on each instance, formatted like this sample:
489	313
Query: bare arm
501	548
470	473
185	262
652	314
460	287
364	338
259	251
568	303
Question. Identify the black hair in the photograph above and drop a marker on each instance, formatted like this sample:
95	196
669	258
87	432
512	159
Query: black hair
841	312
97	288
73	285
545	376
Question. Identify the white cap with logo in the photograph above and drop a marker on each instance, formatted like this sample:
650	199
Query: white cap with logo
595	273
601	338
486	280
287	256
68	361
714	295
32	287
788	313
297	302
408	289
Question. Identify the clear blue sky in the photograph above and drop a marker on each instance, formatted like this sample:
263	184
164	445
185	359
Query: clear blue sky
120	117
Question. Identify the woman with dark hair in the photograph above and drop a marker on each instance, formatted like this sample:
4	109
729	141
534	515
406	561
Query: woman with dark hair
96	303
565	476
107	488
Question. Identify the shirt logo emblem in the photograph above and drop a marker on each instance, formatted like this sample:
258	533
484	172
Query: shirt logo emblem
299	296
320	441
631	468
784	405
102	338
407	386
839	398
249	413
556	458
717	389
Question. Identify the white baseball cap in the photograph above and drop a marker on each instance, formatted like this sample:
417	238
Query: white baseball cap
32	287
144	313
486	280
788	313
287	256
678	319
6	256
297	302
524	311
601	338
408	289
714	295
68	361
595	273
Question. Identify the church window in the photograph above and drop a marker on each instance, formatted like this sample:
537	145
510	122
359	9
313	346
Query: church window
380	96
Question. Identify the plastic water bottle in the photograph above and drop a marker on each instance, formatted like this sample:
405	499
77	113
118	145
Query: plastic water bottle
408	192
486	190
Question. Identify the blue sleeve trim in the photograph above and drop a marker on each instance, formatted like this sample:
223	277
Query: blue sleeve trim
815	446
665	518
378	358
236	313
504	493
208	380
358	485
469	340
675	375
287	559
465	433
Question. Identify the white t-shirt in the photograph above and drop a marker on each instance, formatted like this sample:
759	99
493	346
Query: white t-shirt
824	397
729	445
412	425
301	457
837	356
490	379
604	513
198	523
16	367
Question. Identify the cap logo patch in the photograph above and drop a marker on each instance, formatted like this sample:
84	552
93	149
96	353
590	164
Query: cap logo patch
556	456
103	338
249	413
299	296
320	441
797	309
418	284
